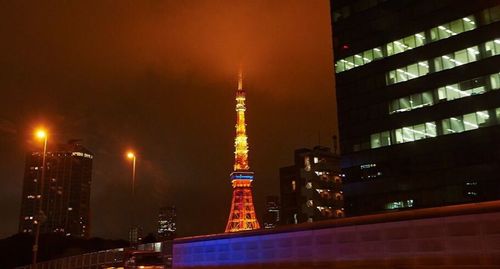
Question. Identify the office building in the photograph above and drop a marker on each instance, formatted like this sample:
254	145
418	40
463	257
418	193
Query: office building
311	189
167	223
417	86
272	212
135	234
66	194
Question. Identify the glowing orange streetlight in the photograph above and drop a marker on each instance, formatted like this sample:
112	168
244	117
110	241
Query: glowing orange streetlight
40	134
131	156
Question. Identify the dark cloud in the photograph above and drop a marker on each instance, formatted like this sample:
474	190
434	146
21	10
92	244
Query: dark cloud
159	77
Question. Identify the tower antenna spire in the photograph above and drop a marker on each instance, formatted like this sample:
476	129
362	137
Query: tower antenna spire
240	141
240	79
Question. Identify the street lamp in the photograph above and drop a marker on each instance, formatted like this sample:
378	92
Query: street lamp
40	134
131	156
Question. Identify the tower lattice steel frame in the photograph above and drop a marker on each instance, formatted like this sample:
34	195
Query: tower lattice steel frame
242	216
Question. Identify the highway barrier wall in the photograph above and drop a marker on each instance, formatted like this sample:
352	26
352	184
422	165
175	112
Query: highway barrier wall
461	236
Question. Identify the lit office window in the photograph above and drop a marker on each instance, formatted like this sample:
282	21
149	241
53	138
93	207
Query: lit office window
339	66
403	135
466	122
449	92
452	125
411	102
463	89
407	43
457	124
358	59
492	47
408	72
400	204
347	63
457	58
375	141
430	129
483	118
367	56
470	121
415	132
380	139
444	62
495	81
453	28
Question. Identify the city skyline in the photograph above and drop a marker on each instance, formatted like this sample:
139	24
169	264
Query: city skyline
168	99
250	134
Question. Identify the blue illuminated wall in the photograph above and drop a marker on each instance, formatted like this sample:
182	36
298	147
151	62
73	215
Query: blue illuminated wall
456	241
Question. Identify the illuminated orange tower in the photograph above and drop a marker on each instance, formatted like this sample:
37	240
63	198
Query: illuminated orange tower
242	216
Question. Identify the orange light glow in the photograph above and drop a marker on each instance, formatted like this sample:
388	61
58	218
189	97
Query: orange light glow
41	133
130	155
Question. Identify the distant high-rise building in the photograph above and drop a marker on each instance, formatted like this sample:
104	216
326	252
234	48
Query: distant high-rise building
66	194
167	222
135	234
418	91
311	189
272	213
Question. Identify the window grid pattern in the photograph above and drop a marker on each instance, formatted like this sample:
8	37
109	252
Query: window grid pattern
444	62
457	124
445	93
407	43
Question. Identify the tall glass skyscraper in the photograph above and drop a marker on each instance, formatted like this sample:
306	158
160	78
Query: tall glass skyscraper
66	192
418	92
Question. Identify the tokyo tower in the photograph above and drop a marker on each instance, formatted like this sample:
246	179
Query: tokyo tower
242	215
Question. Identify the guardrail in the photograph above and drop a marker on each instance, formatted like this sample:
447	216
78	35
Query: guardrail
110	258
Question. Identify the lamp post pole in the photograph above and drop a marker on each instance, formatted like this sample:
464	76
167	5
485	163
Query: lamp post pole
133	229
38	218
133	190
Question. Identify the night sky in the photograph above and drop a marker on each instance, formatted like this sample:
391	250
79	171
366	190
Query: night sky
160	77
